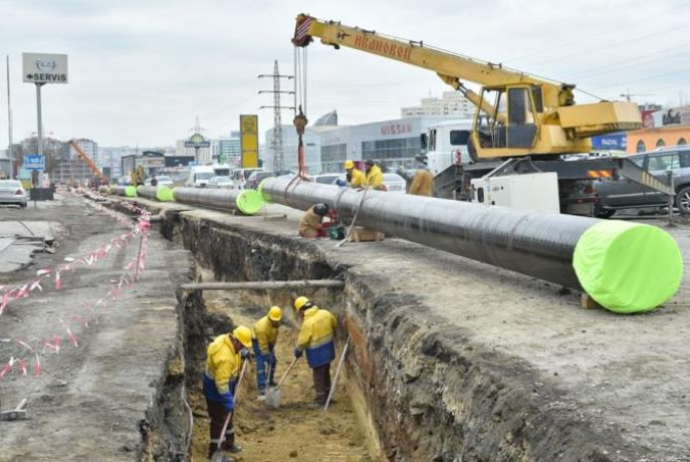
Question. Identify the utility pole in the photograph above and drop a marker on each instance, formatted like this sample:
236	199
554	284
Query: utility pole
277	143
9	120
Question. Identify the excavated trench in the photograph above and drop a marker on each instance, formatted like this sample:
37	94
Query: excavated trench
416	388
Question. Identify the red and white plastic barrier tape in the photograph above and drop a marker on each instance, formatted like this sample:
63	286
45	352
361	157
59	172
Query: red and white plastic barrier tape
35	348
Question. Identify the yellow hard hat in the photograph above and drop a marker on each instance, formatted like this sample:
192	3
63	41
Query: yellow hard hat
300	302
349	164
243	334
275	314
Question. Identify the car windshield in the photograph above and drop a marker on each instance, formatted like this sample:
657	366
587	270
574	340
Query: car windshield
392	177
10	184
164	178
204	175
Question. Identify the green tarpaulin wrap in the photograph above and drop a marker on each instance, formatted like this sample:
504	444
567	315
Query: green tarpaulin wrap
628	267
131	191
164	194
249	202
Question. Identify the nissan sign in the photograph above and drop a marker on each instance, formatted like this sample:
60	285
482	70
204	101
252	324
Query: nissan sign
44	68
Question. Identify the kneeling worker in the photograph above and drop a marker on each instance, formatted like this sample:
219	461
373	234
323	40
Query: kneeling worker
264	338
316	337
223	364
374	175
310	225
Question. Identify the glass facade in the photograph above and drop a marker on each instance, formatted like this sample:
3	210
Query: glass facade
333	157
395	152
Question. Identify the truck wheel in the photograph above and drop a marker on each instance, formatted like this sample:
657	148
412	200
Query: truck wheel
683	200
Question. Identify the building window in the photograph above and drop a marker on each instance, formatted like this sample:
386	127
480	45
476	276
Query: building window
641	146
682	142
660	143
392	152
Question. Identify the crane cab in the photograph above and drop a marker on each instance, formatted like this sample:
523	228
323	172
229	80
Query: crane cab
512	125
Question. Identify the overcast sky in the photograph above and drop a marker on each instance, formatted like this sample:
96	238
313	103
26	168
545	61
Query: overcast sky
141	71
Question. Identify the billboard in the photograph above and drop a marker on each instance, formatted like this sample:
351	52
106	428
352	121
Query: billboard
249	135
610	142
197	141
44	68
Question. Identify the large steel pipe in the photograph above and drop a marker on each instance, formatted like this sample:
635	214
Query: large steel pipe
626	267
125	191
246	201
157	193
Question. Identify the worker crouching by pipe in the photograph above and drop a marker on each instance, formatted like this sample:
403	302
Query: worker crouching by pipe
316	336
223	364
311	224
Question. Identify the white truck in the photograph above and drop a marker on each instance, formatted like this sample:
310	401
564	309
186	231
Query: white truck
199	176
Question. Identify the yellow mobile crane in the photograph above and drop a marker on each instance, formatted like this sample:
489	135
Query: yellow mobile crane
518	114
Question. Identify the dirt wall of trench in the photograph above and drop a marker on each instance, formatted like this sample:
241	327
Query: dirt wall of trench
432	393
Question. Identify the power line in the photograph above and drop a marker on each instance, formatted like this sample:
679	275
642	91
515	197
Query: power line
580	40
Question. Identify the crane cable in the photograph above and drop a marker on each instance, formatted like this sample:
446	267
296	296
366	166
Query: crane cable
300	121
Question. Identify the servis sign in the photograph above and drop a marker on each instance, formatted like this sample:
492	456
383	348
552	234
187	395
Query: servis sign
44	68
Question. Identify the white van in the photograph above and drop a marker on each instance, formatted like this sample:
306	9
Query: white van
199	176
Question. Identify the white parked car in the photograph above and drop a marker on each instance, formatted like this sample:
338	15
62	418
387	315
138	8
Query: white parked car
12	192
326	178
395	183
221	182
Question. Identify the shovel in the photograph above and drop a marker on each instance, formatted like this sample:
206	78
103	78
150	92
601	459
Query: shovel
273	394
218	456
337	373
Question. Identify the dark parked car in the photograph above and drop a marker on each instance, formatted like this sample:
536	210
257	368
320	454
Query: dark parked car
624	194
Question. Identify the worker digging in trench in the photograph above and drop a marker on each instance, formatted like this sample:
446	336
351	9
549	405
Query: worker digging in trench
317	338
224	358
264	338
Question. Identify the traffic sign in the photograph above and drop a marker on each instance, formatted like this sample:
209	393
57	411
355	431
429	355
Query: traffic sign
34	162
43	68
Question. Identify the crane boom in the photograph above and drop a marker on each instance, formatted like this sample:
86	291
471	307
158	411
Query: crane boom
540	116
83	156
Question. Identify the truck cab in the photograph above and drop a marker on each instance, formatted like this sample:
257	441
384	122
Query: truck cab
446	145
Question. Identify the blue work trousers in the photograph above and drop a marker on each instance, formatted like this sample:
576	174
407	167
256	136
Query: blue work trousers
262	364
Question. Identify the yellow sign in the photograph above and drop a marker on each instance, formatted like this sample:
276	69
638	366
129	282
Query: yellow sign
249	126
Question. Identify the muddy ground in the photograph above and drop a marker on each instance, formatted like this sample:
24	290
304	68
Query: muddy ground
292	432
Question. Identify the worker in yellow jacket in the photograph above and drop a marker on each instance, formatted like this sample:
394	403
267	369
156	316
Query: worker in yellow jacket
223	363
316	337
374	175
422	183
264	338
355	178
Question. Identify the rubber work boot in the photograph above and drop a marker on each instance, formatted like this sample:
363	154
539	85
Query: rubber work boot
235	448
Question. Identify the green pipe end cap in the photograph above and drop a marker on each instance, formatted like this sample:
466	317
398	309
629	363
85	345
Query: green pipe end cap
131	191
260	189
628	267
164	194
249	202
